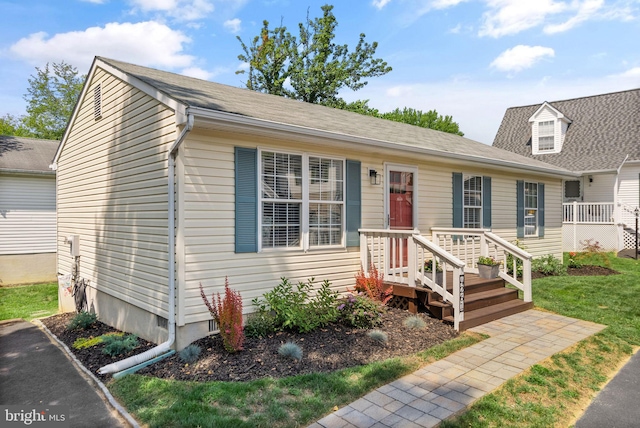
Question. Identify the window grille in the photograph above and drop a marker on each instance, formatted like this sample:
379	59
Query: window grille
546	136
472	202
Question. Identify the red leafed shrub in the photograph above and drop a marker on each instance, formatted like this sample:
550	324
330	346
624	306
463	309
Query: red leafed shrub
227	313
372	285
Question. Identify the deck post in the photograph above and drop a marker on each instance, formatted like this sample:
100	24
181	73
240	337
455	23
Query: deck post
411	261
526	278
364	249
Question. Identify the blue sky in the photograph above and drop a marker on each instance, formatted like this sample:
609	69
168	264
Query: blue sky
470	59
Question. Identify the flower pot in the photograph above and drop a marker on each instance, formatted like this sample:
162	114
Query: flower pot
488	271
438	278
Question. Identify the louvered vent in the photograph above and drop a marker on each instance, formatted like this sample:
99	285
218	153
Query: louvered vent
162	322
97	102
213	326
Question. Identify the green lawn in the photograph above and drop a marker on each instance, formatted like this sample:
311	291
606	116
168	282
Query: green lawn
28	301
554	392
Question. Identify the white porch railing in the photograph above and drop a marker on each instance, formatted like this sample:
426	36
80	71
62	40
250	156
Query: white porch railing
401	255
627	214
588	212
469	244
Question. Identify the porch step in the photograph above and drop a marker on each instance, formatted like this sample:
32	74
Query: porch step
484	315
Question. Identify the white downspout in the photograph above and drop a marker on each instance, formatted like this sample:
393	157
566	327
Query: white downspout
165	346
617	211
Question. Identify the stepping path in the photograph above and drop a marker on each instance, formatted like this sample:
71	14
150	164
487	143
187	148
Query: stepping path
446	387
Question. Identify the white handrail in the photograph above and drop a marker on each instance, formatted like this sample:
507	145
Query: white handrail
469	244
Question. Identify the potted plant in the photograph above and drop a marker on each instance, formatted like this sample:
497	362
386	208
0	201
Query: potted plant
488	267
428	271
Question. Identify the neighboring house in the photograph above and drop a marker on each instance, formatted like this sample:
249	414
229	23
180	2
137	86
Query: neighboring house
598	138
170	182
27	210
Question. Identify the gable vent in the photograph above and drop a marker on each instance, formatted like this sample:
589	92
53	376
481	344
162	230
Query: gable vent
97	102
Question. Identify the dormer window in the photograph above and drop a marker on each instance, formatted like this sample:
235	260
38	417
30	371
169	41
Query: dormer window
548	128
546	136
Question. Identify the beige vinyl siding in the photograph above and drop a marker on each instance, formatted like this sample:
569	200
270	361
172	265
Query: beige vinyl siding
27	214
206	212
112	193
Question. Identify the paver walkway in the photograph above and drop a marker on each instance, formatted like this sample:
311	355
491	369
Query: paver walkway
446	387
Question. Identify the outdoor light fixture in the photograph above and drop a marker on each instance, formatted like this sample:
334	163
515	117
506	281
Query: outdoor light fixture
374	178
591	179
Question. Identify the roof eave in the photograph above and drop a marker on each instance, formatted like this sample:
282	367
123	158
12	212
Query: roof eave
232	120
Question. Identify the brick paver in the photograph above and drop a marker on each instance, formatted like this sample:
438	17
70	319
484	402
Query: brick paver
447	387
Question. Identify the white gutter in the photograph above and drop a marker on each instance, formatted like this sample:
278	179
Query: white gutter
165	346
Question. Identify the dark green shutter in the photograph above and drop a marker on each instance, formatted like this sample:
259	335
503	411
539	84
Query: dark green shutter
458	201
353	204
540	209
486	202
520	208
246	182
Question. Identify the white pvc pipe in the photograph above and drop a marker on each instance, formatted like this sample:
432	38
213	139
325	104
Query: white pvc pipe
165	346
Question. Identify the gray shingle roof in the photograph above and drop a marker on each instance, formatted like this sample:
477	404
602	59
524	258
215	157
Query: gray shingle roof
29	155
604	129
243	102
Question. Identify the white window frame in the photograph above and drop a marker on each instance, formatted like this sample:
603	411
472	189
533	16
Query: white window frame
466	177
549	128
528	209
305	202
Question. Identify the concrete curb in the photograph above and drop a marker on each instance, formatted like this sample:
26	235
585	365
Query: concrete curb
111	401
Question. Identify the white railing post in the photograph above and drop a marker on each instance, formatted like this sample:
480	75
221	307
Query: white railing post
484	246
364	250
412	261
575	225
526	278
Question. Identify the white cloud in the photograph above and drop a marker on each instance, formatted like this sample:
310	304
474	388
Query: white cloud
379	4
443	4
456	29
513	16
586	11
181	10
521	57
232	25
197	72
145	43
633	73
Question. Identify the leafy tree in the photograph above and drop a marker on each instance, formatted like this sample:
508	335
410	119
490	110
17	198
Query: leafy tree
430	119
51	97
316	67
11	125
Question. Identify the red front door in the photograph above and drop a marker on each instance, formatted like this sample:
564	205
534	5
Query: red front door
400	209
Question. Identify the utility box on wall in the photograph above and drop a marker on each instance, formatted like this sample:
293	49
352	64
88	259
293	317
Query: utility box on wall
74	245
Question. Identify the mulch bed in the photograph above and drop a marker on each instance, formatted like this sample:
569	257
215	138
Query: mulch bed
324	350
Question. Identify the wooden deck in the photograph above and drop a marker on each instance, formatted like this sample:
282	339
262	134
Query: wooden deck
485	300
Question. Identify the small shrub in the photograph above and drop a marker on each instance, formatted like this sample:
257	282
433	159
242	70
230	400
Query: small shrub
84	343
227	313
82	320
548	265
118	345
259	324
594	252
359	311
190	354
378	336
414	322
488	260
295	309
290	350
573	260
372	284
